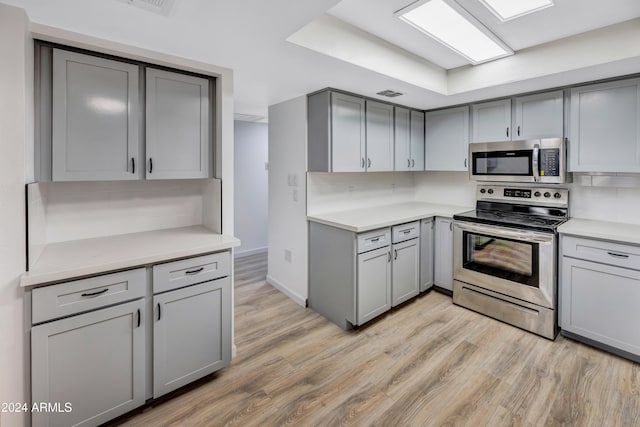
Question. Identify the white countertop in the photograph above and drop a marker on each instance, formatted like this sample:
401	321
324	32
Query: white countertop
360	220
66	260
621	232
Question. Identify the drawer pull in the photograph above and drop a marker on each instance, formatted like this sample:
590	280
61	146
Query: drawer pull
406	231
613	254
93	294
375	239
196	271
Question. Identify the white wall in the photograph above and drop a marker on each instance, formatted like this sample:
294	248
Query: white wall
288	217
251	153
329	192
16	136
448	188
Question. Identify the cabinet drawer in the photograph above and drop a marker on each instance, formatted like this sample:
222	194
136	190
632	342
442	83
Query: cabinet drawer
619	254
177	274
55	301
373	240
407	231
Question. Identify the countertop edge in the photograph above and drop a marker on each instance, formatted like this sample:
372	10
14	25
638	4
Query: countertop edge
28	280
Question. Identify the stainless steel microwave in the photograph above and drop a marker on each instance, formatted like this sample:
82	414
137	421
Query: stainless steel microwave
532	160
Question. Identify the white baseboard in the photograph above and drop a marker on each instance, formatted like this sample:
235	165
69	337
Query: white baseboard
288	292
248	252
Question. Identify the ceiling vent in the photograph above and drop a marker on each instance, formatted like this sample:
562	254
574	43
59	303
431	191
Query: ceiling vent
249	118
161	7
389	93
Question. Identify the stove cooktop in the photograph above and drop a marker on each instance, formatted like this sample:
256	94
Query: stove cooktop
518	220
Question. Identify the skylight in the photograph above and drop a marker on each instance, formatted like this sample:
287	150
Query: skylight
451	25
506	10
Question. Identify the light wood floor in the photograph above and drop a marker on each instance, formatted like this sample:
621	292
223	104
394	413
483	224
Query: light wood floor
428	363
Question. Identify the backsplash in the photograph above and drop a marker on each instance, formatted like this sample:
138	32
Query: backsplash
448	188
62	211
605	203
327	192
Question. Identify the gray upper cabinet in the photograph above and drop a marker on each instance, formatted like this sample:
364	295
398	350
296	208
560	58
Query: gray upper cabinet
336	132
409	140
94	361
95	118
379	131
491	121
539	116
447	139
605	127
177	125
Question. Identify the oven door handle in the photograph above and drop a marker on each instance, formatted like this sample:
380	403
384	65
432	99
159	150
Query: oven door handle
516	235
535	166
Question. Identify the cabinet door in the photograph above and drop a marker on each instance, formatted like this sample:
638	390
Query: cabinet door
373	290
447	139
94	362
491	121
95	113
178	139
600	302
191	334
539	116
426	254
443	254
417	140
347	133
405	279
605	127
402	140
379	136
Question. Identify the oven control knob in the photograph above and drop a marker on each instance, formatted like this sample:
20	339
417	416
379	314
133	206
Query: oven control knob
490	191
557	195
547	194
482	190
537	194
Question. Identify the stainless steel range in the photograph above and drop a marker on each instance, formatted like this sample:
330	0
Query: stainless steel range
505	255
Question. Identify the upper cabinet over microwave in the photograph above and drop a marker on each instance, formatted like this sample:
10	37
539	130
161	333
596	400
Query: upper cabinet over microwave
533	160
92	113
523	117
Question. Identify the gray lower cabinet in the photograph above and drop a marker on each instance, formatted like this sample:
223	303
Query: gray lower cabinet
191	334
373	287
443	254
599	293
604	133
405	281
92	348
95	115
93	362
177	125
427	233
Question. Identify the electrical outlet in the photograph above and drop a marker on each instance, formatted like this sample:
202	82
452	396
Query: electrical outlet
287	255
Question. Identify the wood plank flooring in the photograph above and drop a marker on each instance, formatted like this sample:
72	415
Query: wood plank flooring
427	363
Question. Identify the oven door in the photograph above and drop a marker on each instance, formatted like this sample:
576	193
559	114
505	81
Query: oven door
518	263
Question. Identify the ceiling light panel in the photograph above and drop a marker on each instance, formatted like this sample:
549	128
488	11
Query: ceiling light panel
451	25
506	10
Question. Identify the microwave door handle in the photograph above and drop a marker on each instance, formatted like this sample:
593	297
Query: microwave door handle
535	167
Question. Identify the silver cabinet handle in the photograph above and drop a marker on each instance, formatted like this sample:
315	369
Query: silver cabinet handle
413	163
196	271
150	165
395	254
369	163
159	312
518	130
406	231
408	163
133	165
139	318
362	163
451	226
375	239
389	256
613	254
507	131
465	163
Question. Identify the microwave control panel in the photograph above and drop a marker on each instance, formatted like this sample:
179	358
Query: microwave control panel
550	162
